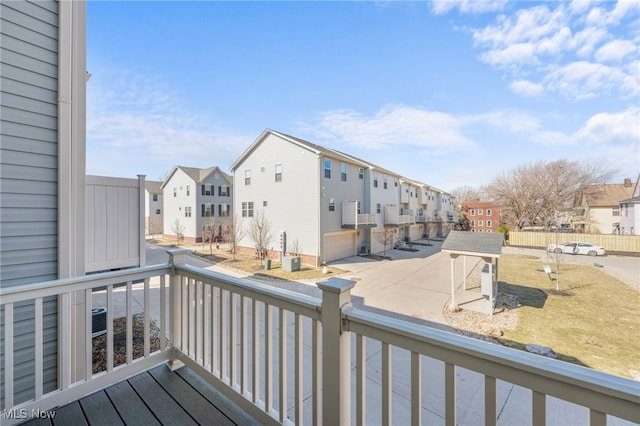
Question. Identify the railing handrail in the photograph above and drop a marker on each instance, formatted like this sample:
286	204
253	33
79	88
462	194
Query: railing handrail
605	392
292	301
22	292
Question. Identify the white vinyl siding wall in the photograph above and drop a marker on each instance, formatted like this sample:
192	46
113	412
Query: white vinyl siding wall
29	175
292	203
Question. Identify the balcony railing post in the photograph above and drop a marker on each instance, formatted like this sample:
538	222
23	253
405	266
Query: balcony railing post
336	352
176	256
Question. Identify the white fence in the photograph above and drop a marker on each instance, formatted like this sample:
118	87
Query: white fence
286	358
114	223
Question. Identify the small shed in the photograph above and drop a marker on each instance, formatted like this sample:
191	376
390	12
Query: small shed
487	246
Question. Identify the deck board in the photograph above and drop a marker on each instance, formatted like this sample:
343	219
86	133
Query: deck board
155	397
159	401
99	410
189	399
129	405
70	415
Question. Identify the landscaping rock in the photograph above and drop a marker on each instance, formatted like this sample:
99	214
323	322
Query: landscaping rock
541	350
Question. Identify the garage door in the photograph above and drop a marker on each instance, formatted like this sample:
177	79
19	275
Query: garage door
415	232
339	245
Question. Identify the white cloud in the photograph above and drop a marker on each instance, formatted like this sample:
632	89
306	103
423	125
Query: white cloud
526	88
543	44
615	51
440	7
606	128
398	125
584	80
134	122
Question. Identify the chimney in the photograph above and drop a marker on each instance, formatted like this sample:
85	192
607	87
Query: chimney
627	182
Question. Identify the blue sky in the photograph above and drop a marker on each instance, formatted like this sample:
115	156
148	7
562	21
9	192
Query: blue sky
449	93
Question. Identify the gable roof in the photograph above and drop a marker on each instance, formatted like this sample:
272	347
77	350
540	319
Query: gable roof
197	175
607	195
153	186
482	244
321	150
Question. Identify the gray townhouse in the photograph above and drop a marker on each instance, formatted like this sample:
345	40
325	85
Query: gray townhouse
196	201
328	204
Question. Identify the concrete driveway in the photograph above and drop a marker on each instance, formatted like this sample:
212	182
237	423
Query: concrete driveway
414	284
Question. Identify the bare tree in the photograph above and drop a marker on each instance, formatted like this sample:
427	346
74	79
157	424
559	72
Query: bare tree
386	236
178	229
538	193
296	249
210	231
232	232
465	193
259	232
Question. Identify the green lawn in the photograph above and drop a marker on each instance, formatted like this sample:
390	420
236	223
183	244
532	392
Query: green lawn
593	321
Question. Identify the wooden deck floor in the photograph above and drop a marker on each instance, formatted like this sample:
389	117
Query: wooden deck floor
155	397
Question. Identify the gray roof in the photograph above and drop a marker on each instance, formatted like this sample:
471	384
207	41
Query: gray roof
474	243
154	187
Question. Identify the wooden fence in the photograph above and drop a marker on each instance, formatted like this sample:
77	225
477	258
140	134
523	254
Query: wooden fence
611	243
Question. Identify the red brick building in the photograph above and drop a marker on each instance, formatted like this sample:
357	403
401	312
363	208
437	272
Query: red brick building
483	216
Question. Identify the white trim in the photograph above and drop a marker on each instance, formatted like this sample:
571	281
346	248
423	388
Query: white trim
71	137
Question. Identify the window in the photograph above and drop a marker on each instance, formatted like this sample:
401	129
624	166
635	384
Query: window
616	211
343	172
264	204
378	208
188	190
479	212
247	209
327	168
247	177
207	189
278	172
332	205
488	212
224	209
375	180
473	212
155	197
187	212
384	181
360	173
358	207
175	191
157	211
473	223
480	223
489	224
262	169
206	210
223	191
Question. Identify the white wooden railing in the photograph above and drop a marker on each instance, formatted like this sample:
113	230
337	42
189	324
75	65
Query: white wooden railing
286	358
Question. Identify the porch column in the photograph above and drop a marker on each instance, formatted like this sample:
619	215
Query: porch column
336	352
453	304
176	256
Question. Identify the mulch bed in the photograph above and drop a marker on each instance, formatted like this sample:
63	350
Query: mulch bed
120	342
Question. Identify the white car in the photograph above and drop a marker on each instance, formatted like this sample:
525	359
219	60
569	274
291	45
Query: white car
576	248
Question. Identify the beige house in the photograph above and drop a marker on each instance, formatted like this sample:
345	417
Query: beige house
598	207
328	205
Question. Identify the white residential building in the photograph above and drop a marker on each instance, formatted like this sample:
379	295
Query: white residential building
153	221
329	204
196	200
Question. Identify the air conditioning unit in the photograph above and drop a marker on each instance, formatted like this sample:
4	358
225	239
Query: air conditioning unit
98	322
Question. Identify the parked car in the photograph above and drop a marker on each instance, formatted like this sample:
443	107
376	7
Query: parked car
576	248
